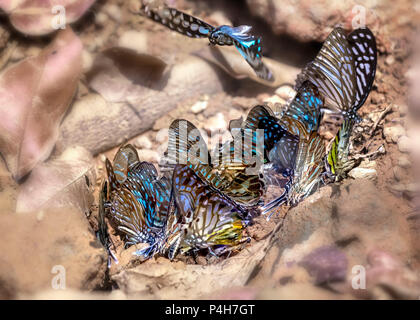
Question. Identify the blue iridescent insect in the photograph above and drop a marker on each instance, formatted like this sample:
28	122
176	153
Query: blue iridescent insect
138	200
202	217
296	150
187	146
249	46
344	70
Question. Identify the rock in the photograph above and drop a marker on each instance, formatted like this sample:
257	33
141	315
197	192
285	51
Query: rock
398	173
285	92
200	105
390	60
148	155
355	218
273	100
87	60
404	144
114	12
326	264
216	122
392	134
363	173
101	18
134	40
404	162
402	109
143	142
37	251
387	277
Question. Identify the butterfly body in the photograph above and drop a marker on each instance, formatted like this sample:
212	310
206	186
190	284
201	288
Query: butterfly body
344	70
138	205
249	46
337	162
205	217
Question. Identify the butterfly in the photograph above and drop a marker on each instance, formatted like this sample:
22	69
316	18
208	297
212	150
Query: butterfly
203	218
102	232
187	146
337	162
139	205
249	46
344	70
302	171
307	174
279	144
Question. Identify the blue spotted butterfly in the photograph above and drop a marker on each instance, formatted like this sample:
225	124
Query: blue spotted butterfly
187	146
344	70
249	46
138	200
201	216
304	153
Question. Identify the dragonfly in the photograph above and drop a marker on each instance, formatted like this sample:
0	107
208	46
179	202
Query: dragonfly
202	217
138	206
344	70
187	146
248	45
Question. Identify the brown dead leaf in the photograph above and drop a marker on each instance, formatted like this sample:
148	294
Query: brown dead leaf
230	61
66	181
36	17
34	96
121	74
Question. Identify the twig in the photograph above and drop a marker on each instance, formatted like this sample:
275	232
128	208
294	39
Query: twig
382	115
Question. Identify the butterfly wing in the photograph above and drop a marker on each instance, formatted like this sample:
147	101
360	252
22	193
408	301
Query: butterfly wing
344	69
363	45
333	72
250	47
209	217
179	21
303	115
153	194
309	168
125	157
337	160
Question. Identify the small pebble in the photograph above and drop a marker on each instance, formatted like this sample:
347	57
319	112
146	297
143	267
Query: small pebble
102	157
148	155
216	122
404	144
285	92
114	12
404	162
363	173
200	105
398	173
390	60
143	142
392	134
135	40
101	18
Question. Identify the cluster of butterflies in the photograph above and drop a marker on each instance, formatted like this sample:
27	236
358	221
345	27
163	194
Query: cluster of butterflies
206	201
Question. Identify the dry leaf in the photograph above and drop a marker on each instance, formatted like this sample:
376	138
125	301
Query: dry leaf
34	96
66	181
230	61
121	74
37	17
